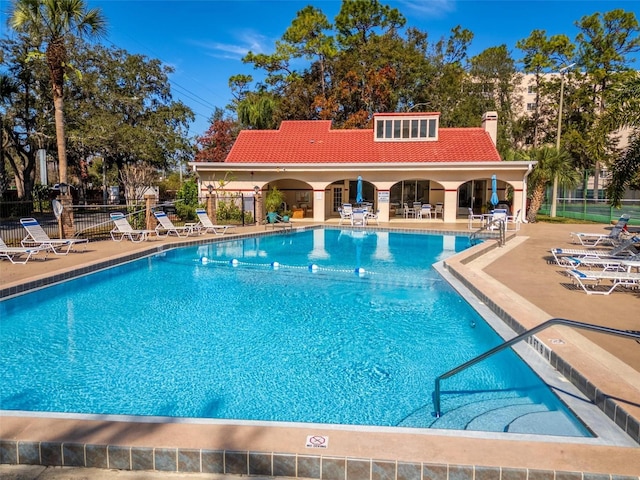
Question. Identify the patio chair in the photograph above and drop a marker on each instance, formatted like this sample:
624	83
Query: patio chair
514	220
371	216
359	217
166	227
13	254
122	229
589	280
475	217
278	221
593	239
425	211
439	210
36	236
207	226
345	216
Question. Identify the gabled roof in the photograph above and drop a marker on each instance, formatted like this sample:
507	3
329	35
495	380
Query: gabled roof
313	141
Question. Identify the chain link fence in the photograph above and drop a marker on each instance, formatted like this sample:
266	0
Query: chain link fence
599	211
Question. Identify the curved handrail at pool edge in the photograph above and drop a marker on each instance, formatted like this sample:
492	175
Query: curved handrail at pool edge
516	339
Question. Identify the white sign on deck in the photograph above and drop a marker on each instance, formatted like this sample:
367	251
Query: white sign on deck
317	441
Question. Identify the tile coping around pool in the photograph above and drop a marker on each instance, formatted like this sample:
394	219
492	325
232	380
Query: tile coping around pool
265	463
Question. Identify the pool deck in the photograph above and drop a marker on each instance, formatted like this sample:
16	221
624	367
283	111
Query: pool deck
517	280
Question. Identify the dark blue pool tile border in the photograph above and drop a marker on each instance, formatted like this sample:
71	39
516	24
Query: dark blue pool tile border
609	405
265	464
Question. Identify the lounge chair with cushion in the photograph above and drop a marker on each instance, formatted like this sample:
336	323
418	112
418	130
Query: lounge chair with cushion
20	255
36	236
612	238
207	226
123	229
590	280
626	249
166	227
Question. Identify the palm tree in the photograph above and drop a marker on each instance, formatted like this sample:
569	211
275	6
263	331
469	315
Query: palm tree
52	22
550	163
623	110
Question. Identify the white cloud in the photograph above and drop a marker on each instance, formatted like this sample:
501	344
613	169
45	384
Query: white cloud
248	40
431	8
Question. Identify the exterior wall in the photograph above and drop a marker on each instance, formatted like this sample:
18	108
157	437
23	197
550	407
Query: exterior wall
444	184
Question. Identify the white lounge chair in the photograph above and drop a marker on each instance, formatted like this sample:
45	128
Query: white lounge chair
20	255
593	239
605	263
36	236
166	227
207	225
563	256
589	280
123	229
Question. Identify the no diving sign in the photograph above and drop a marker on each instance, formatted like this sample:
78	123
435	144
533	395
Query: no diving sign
317	441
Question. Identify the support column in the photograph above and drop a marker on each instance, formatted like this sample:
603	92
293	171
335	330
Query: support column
212	208
149	219
67	229
258	213
450	205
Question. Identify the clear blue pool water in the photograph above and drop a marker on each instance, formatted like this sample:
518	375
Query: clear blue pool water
345	327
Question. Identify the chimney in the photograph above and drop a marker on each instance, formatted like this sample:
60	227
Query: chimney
490	125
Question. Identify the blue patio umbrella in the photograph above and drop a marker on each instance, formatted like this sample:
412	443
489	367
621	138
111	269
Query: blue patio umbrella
359	190
494	190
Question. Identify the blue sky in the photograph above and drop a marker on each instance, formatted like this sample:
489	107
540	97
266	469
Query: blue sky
204	40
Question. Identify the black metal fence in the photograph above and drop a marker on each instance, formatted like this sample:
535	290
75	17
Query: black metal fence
94	222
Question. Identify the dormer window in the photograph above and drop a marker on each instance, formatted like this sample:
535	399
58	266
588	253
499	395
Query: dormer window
407	127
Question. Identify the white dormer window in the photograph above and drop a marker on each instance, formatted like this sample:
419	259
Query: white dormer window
407	127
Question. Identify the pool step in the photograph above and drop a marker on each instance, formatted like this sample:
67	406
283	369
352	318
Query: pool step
511	414
551	422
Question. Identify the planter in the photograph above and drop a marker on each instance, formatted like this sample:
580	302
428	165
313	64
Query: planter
272	217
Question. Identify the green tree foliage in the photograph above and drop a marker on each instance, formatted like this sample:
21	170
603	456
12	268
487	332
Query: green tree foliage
551	163
53	23
187	200
26	112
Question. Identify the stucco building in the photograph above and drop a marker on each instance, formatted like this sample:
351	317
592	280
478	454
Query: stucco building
405	157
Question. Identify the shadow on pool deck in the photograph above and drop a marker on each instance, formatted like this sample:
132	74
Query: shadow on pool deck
518	278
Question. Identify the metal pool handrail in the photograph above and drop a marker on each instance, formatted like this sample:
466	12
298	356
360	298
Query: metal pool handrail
528	333
501	225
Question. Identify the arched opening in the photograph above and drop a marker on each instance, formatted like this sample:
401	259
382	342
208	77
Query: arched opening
345	191
476	194
413	191
298	197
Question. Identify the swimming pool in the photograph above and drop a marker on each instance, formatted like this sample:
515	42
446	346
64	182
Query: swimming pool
323	326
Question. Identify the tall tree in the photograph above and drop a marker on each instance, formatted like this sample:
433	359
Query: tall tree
623	111
605	42
52	22
543	55
550	163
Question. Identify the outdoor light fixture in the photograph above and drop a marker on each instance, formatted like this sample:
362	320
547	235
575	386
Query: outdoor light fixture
210	188
256	189
64	188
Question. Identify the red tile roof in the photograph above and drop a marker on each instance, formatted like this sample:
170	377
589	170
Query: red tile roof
313	141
